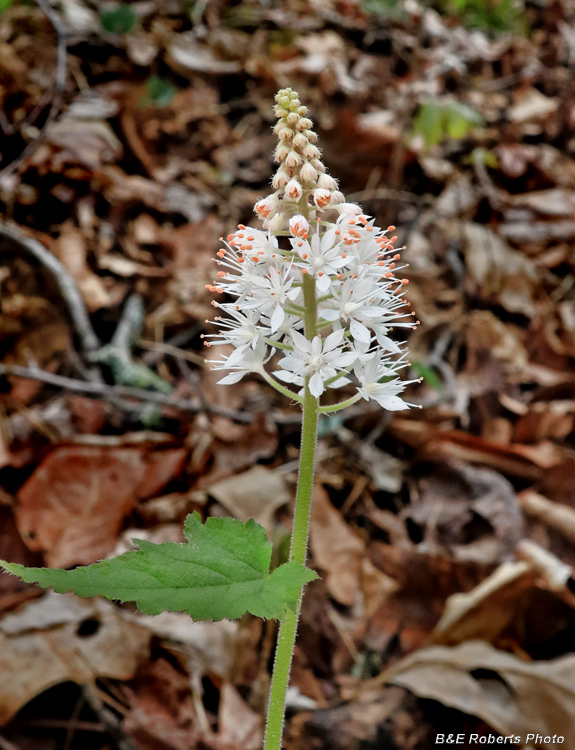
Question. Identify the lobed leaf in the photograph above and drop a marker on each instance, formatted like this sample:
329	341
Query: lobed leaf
221	572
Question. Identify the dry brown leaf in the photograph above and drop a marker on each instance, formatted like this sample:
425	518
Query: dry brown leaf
256	493
485	611
238	723
73	505
518	697
555	515
501	273
43	645
70	248
162	713
336	549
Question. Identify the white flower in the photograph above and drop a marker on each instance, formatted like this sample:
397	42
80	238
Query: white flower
321	257
347	262
241	362
321	359
240	329
369	373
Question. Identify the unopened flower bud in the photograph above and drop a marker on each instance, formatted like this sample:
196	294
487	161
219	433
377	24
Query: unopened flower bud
282	131
265	207
336	197
308	173
300	141
326	182
318	164
280	111
310	152
310	135
275	224
281	179
299	226
293	118
293	190
347	209
282	151
283	101
293	105
321	198
293	159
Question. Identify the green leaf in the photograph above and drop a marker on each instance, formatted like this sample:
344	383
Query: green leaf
425	372
119	20
430	122
222	572
5	4
159	91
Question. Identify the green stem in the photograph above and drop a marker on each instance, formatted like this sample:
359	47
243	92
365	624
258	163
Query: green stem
340	406
279	387
288	629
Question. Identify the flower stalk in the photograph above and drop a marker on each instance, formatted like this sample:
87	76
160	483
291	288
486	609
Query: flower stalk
315	293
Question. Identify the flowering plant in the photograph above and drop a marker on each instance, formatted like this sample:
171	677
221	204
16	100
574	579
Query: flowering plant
314	295
335	270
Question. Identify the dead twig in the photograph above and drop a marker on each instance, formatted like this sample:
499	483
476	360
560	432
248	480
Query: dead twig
68	288
112	392
58	87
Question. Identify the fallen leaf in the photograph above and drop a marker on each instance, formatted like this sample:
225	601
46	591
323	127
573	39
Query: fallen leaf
532	105
512	696
162	714
256	493
502	274
336	549
485	611
238	723
73	505
70	248
186	55
45	643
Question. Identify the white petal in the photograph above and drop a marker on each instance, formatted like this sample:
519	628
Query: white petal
387	344
291	294
323	282
287	377
295	364
329	314
233	377
345	360
359	331
392	403
316	385
339	382
277	318
300	341
237	357
334	339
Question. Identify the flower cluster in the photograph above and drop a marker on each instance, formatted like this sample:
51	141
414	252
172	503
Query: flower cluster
316	292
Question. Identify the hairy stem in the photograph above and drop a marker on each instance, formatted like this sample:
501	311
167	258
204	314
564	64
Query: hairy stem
288	629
